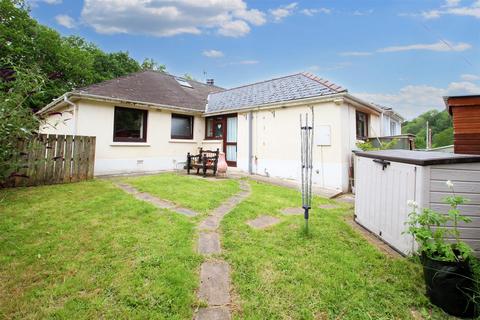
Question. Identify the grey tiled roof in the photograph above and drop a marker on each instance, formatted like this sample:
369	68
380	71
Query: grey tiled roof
154	87
292	87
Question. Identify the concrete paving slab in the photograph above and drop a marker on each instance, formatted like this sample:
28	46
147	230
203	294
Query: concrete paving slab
263	222
219	313
210	223
185	211
209	243
293	211
215	283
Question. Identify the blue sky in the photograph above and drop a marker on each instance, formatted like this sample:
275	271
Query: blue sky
405	54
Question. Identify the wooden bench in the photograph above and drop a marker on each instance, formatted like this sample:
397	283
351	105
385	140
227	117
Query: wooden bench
205	160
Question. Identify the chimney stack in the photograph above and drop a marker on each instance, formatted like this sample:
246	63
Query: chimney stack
210	82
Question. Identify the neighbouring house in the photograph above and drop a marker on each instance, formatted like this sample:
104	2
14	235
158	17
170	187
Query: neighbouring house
148	121
465	112
391	122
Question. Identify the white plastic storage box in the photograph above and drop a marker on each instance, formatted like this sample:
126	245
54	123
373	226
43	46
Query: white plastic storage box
386	180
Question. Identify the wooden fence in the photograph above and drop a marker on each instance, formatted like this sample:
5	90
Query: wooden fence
51	159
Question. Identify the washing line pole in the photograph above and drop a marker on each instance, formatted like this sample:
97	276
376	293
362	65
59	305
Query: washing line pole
306	150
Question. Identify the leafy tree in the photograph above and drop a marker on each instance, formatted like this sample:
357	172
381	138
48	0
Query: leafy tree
18	122
65	62
439	121
150	64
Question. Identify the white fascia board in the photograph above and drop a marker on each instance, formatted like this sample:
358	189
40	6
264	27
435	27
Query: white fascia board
147	105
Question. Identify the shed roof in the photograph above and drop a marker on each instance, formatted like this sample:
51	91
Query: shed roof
461	101
291	87
421	158
154	87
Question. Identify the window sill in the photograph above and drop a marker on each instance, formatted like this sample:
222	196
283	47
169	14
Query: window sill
212	141
130	144
182	141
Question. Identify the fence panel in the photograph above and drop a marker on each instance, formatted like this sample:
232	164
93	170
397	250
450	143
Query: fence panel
50	159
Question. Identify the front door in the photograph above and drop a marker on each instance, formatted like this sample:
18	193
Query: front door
230	141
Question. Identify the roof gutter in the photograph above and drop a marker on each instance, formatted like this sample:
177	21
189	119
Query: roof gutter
73	95
336	98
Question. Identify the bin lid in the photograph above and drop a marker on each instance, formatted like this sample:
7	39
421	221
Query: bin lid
421	158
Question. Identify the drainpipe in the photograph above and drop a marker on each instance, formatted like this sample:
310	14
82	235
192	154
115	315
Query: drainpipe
65	99
250	142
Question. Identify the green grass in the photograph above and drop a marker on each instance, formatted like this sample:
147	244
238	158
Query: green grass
89	250
199	194
331	273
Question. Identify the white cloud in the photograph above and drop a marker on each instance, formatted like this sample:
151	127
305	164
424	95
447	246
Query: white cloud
248	62
161	18
236	28
213	53
52	1
312	12
412	100
254	16
283	11
437	46
355	53
452	7
65	21
469	77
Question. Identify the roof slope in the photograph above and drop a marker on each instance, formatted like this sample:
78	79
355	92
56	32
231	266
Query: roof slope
292	87
153	87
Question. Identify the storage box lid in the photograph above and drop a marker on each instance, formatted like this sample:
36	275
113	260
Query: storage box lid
421	158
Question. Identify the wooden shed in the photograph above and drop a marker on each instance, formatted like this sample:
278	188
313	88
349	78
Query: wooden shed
465	111
386	180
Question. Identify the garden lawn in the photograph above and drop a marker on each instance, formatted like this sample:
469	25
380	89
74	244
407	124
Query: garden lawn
331	273
196	193
89	250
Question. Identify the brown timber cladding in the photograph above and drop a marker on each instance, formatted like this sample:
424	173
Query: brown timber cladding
466	126
51	159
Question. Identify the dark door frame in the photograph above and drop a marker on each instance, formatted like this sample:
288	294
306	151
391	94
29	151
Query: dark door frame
224	135
225	143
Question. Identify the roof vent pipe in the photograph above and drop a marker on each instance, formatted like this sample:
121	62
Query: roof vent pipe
210	82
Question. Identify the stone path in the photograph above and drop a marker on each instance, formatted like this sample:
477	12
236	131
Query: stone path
263	222
293	211
215	273
159	203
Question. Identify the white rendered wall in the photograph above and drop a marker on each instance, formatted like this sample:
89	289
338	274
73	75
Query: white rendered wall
160	152
59	122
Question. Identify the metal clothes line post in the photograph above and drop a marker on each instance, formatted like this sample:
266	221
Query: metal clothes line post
306	158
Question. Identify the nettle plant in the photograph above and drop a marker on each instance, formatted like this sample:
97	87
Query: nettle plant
435	239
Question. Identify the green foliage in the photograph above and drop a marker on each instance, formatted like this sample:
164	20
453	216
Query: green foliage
150	64
439	121
17	122
428	228
368	146
65	62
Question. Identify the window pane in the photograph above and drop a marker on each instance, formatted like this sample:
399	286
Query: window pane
181	126
210	127
231	153
232	129
128	124
218	130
